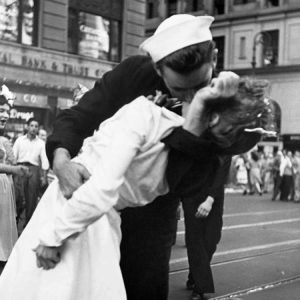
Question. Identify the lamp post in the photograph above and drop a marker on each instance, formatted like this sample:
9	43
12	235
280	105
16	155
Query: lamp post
265	39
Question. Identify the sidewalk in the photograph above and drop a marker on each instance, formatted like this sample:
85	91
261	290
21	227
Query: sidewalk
288	289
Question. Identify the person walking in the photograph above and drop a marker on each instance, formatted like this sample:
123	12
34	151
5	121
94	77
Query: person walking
286	174
203	213
241	173
255	173
296	167
276	175
29	151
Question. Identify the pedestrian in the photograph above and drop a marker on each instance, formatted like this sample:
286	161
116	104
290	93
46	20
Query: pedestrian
82	236
276	175
241	173
203	212
296	167
286	174
29	151
181	60
255	173
267	164
42	134
8	225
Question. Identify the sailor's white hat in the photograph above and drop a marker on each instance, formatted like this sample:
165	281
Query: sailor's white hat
177	32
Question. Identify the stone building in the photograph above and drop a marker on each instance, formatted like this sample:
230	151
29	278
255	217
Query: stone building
47	47
254	37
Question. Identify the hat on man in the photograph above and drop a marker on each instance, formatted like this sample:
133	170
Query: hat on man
177	32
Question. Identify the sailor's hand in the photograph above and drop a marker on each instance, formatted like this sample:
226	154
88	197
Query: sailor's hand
205	208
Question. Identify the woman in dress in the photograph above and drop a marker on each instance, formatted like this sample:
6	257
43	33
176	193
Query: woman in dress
70	249
8	226
255	173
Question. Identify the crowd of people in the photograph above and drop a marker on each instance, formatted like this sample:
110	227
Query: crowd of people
23	166
157	129
257	173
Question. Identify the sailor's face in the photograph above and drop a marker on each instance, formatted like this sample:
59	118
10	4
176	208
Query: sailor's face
184	86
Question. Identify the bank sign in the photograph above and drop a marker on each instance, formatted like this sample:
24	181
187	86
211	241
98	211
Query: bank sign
47	60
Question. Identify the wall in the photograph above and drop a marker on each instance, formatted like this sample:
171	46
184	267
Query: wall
133	26
54	24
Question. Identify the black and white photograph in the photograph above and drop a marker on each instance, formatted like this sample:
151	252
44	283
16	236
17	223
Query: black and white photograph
149	150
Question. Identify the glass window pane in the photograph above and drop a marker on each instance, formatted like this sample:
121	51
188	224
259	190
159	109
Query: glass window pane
28	22
94	36
115	41
9	11
73	31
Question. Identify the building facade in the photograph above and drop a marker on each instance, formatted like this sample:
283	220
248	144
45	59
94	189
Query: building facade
47	47
254	37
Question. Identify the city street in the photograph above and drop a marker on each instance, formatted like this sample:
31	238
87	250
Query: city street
258	256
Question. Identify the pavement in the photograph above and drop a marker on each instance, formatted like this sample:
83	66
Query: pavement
281	290
258	256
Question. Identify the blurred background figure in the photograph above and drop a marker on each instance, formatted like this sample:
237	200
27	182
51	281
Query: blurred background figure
266	171
255	173
276	175
296	167
286	174
241	173
42	134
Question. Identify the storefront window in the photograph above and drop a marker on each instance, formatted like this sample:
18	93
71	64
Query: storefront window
18	21
94	36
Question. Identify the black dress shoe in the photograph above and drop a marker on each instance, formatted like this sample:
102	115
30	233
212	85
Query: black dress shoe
197	296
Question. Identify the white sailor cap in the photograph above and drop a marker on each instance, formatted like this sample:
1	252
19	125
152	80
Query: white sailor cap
177	32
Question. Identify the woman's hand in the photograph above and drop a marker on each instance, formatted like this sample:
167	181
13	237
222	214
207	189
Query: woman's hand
47	257
205	208
70	175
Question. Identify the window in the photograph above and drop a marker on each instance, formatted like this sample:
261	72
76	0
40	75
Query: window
272	3
151	9
220	45
242	47
243	1
19	21
172	7
219	7
194	5
94	36
270	47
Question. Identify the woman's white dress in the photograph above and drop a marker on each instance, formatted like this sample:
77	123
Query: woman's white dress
8	225
127	162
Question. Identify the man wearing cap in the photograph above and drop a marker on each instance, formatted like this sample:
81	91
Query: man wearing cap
147	232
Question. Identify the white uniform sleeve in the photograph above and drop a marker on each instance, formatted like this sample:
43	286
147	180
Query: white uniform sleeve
100	193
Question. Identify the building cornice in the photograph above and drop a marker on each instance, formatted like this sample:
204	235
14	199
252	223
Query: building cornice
268	70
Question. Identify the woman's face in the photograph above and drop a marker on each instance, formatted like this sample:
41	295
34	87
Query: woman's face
223	133
184	86
4	115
